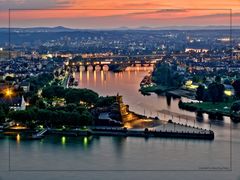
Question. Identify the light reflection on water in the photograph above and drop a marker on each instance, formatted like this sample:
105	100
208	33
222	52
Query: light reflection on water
106	153
127	84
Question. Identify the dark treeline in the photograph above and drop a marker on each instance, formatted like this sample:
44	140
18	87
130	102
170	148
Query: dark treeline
75	112
69	115
166	75
214	93
4	109
70	95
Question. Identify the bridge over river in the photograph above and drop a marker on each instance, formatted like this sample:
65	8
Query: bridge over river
118	60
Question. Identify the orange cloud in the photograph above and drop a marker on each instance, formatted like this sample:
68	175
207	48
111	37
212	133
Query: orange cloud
120	11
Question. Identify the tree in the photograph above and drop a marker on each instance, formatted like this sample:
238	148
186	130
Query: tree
235	108
162	75
88	96
216	92
5	108
31	96
40	104
86	118
70	107
204	79
39	81
105	101
236	86
2	116
72	96
53	91
166	76
48	92
23	116
177	80
227	81
196	79
221	89
44	116
76	95
200	93
235	111
218	79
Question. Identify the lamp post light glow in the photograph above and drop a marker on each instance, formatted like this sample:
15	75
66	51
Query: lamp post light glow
8	92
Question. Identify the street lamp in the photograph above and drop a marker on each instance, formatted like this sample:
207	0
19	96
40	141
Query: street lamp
8	92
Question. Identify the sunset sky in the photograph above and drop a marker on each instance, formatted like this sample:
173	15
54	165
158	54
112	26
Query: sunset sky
127	13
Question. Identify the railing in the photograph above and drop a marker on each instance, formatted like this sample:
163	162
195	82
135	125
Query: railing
42	132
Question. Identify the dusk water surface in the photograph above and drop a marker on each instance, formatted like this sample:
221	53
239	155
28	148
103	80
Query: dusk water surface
116	153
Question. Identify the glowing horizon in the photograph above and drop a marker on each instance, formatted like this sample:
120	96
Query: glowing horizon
51	13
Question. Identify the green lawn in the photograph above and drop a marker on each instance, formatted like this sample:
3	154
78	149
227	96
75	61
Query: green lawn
220	107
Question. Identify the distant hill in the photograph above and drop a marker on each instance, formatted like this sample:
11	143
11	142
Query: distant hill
65	29
40	29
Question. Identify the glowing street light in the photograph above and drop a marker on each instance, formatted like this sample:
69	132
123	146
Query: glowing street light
8	92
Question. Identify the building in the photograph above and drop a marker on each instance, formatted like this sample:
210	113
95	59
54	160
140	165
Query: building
15	103
25	86
197	50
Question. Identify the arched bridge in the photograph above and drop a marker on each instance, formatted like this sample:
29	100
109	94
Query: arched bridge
118	60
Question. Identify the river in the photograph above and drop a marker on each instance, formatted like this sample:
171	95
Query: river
123	158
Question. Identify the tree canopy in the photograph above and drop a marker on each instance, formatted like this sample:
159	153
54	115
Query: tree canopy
216	92
70	115
200	93
236	86
53	91
85	95
164	75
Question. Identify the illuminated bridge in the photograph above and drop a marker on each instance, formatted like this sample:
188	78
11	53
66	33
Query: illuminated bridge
118	61
114	61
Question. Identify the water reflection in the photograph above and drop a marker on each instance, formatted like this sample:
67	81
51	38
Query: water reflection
119	145
18	138
127	83
199	117
85	141
63	140
67	142
94	77
216	122
127	153
102	76
168	98
88	72
80	75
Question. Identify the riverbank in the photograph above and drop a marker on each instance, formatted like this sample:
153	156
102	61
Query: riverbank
213	109
147	86
169	91
165	130
158	89
178	93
